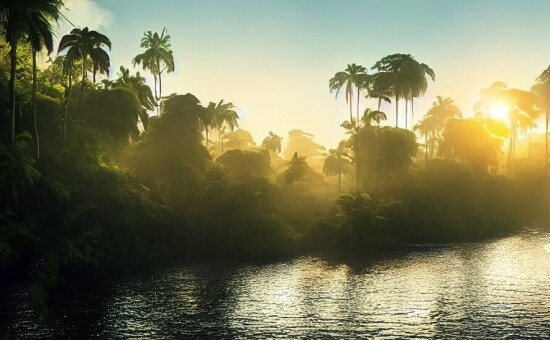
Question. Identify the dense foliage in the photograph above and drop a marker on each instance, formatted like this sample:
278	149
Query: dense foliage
90	181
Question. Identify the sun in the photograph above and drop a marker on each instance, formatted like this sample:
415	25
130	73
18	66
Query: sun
499	112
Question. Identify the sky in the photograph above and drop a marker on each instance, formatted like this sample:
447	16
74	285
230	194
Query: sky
273	58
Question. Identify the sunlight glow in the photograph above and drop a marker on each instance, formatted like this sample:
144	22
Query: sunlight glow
499	112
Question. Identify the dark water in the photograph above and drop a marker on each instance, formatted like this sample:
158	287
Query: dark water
494	289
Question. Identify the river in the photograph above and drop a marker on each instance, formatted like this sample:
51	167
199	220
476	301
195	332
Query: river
497	288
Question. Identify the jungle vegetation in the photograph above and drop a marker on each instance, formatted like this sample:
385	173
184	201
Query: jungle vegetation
93	178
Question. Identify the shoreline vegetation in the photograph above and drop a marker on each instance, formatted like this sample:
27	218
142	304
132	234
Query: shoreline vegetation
115	174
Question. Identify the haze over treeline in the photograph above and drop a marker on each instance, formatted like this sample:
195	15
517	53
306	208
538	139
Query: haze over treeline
100	173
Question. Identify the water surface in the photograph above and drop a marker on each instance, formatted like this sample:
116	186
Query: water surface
493	289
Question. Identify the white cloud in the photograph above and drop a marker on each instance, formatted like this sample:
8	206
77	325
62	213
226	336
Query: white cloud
84	13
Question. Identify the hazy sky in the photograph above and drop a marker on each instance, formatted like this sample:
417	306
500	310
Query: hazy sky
273	58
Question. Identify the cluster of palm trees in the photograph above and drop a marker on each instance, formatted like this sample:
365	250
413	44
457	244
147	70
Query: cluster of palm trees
522	108
220	117
28	20
398	75
432	125
31	21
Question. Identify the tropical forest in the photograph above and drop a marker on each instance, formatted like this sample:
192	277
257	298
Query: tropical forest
135	203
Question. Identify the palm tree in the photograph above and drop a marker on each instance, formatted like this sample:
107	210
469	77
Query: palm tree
370	116
337	163
353	76
406	76
353	127
434	122
31	18
206	119
417	84
143	91
81	44
157	57
522	108
38	29
224	116
86	44
390	72
542	89
381	89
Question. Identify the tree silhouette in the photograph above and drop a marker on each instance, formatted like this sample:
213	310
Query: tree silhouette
467	140
31	18
82	44
223	116
337	163
79	45
522	108
380	88
142	90
542	89
434	121
157	57
353	76
415	83
272	142
406	76
40	36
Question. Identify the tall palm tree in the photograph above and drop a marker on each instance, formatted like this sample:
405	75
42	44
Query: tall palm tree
86	44
157	57
39	36
224	116
31	18
542	88
416	83
522	108
353	76
80	45
406	76
390	71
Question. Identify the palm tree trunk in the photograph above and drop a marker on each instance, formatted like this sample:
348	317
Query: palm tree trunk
350	108
406	114
160	86
396	111
379	103
156	94
412	111
13	63
357	104
546	140
94	71
67	108
357	172
427	147
339	158
510	149
83	67
34	105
